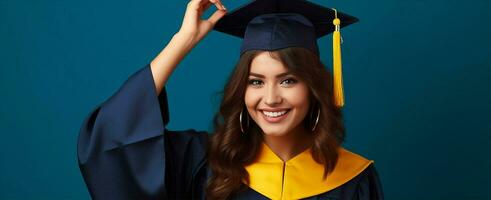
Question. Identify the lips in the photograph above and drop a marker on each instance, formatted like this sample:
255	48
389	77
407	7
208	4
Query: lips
275	116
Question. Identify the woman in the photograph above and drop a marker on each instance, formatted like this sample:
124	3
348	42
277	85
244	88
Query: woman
277	133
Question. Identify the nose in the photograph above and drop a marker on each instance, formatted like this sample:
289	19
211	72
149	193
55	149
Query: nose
272	96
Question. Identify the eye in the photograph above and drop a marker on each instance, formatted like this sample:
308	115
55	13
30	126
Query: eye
255	82
289	81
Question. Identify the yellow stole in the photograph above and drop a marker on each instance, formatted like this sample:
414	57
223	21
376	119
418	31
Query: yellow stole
301	176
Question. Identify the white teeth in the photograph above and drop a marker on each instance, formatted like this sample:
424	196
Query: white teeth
274	114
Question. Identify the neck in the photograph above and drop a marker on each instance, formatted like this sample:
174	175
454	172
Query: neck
289	145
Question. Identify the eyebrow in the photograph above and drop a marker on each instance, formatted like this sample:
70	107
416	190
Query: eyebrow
277	76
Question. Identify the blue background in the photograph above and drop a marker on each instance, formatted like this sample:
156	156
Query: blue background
416	73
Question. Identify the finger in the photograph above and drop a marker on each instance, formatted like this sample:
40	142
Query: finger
218	4
195	4
207	5
217	15
221	4
193	10
204	3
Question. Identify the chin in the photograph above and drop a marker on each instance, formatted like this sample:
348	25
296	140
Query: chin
273	131
274	134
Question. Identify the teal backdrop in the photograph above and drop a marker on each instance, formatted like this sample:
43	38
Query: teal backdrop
416	73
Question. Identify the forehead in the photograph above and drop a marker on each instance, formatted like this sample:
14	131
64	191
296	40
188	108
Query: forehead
264	63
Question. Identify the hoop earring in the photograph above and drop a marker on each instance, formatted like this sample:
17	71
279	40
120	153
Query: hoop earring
240	121
317	119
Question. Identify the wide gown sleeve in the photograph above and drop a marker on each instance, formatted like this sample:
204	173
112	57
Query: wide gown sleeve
125	152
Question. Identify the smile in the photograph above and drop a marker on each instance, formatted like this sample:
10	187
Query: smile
274	114
274	117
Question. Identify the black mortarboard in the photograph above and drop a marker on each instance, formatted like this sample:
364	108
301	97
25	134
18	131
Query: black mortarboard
276	24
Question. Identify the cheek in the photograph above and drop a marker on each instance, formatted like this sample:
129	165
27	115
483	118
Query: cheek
251	99
299	98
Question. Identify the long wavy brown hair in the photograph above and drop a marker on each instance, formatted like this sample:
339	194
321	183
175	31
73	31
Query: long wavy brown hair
230	149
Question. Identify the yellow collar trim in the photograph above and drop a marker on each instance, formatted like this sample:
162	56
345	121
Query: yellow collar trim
301	176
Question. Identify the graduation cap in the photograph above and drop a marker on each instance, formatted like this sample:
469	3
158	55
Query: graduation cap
275	24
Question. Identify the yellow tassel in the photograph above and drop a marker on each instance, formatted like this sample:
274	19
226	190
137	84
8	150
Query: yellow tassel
338	75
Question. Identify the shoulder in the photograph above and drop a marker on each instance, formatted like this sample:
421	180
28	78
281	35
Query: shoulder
189	134
351	163
186	144
187	137
363	181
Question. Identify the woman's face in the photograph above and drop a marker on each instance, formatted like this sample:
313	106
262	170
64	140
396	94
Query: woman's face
275	99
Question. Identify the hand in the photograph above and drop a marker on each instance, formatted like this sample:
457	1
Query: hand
195	27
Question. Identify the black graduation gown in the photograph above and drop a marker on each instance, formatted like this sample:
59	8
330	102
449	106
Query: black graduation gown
125	152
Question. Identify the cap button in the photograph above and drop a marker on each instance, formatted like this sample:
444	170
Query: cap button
336	21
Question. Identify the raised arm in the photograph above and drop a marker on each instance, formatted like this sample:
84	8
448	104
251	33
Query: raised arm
193	30
125	151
